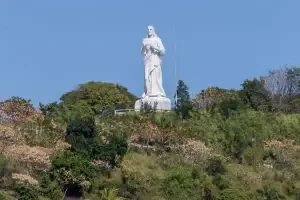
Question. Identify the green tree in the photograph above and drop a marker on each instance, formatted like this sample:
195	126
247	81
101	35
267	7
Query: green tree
113	151
81	135
255	95
100	96
209	98
89	99
183	102
69	167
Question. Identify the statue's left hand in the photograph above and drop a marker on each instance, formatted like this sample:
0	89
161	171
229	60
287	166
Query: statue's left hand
155	50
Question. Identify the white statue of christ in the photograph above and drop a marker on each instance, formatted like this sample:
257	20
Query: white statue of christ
154	94
153	50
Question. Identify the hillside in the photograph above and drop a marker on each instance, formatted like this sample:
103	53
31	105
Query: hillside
221	144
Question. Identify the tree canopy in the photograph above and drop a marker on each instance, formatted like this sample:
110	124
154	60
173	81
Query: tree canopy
91	98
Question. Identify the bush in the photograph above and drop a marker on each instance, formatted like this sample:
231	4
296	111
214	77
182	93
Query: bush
50	187
232	194
6	196
215	166
6	170
81	135
188	182
165	120
70	167
141	173
253	156
243	130
268	192
221	182
26	191
113	151
82	126
203	126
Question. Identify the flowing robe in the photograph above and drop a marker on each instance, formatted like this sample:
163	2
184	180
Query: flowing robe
153	50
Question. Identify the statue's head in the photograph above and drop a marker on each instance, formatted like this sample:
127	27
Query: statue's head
151	31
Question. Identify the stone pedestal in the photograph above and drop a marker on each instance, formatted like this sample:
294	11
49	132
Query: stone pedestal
157	103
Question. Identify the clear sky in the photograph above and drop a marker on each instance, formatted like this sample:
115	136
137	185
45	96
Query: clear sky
49	47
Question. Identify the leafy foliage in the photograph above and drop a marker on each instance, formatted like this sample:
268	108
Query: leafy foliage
209	98
232	194
270	193
113	151
49	187
81	134
254	94
223	144
188	183
26	192
70	167
215	166
100	96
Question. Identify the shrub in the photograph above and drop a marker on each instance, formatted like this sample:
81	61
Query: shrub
215	166
232	194
82	126
50	187
70	167
188	182
253	156
228	106
244	129
26	191
6	196
221	181
113	151
6	170
165	120
141	172
268	192
80	134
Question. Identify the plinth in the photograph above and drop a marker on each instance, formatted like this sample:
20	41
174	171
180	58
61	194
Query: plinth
156	102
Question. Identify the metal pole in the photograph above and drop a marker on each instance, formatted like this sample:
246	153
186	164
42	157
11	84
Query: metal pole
175	64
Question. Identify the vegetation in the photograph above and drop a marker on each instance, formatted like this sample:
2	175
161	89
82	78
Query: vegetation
221	144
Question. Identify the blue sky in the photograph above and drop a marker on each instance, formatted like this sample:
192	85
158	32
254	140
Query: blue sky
49	47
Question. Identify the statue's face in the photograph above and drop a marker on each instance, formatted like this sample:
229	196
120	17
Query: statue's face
150	31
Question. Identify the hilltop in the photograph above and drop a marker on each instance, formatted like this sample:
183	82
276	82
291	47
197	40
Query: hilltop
220	144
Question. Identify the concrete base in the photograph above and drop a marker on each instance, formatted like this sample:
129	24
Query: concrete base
157	103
